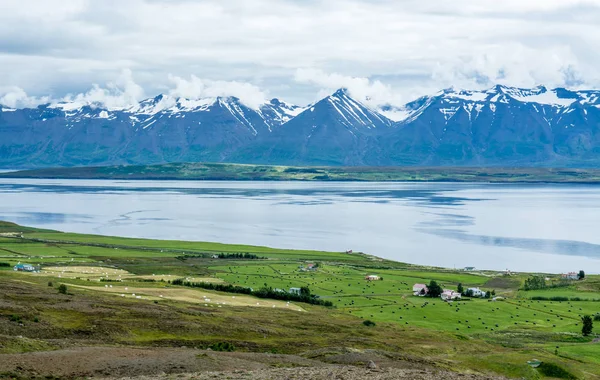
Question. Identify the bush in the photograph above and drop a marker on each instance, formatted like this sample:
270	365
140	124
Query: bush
597	317
62	289
552	370
50	283
588	325
222	346
15	318
4	265
368	323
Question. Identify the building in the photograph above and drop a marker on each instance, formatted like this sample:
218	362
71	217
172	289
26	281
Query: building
296	291
469	269
349	251
372	277
476	292
450	295
420	290
24	268
570	276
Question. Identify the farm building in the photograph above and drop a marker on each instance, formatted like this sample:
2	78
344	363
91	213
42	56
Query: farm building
420	290
24	268
469	269
476	292
295	291
450	295
570	276
372	277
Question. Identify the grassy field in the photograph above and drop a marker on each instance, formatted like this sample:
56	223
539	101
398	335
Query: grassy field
478	335
219	171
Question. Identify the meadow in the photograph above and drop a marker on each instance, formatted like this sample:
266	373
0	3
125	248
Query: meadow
483	335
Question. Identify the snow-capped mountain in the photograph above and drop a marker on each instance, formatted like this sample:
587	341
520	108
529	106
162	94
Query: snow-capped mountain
498	126
337	130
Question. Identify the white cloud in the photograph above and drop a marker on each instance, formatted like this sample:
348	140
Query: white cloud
197	88
119	94
411	46
16	97
371	92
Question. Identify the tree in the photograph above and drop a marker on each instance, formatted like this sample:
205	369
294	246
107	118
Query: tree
581	275
493	292
62	289
305	291
588	325
435	290
460	288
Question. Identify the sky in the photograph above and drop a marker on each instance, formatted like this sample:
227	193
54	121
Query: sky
118	52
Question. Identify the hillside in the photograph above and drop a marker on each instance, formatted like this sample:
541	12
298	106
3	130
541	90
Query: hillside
133	307
237	172
498	127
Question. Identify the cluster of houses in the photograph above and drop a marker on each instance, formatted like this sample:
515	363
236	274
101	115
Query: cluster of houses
311	267
25	268
421	290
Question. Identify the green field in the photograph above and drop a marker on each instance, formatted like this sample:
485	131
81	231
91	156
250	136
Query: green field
220	171
478	335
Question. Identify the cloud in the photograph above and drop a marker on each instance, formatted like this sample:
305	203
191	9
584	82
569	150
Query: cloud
16	97
371	92
197	88
411	46
119	94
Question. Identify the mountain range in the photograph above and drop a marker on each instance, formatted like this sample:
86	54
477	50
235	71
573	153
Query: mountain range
500	126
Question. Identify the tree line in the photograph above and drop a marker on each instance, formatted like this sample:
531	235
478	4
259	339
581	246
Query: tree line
305	295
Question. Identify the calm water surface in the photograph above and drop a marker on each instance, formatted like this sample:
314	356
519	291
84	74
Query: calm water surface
551	228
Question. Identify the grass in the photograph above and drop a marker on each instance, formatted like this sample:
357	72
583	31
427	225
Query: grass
477	334
220	171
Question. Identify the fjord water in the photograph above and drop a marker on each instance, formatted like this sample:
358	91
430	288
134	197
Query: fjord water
547	228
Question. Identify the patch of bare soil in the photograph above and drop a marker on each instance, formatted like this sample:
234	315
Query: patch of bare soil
182	363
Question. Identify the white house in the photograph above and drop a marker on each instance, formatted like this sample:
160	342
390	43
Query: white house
295	291
24	268
476	292
372	277
450	295
570	276
420	290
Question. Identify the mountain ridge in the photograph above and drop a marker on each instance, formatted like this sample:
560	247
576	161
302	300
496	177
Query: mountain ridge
499	126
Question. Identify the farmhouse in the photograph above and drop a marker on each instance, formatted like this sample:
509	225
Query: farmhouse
24	268
476	292
295	291
420	290
570	276
450	295
372	277
469	269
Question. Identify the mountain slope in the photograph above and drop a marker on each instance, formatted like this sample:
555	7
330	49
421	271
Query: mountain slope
336	130
500	126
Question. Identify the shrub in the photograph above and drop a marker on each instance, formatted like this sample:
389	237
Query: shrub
553	370
222	346
4	265
368	323
62	289
15	318
597	317
588	325
50	283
